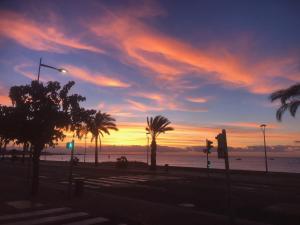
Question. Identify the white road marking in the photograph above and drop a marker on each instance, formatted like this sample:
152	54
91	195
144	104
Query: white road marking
50	219
89	221
33	213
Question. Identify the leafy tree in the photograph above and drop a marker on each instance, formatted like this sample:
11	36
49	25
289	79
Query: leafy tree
46	110
7	126
289	98
99	124
156	126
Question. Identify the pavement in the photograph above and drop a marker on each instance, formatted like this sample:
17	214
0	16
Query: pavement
138	196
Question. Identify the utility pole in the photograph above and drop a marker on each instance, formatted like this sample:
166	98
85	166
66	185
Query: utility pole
223	153
263	128
70	145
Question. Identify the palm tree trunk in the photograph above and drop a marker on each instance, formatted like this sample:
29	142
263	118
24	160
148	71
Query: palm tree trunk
96	150
100	145
153	154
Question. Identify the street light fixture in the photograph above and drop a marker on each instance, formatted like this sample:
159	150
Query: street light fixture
263	128
61	70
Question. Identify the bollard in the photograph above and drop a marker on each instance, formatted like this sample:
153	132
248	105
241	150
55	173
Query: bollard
166	167
79	187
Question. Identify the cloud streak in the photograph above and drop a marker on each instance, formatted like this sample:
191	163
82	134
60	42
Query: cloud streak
174	59
94	77
38	36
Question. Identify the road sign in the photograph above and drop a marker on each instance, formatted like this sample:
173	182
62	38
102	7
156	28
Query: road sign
222	145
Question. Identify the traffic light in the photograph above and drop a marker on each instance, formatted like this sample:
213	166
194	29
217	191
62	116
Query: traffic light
208	164
209	146
70	145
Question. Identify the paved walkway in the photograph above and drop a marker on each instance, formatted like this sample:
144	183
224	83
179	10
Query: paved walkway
34	214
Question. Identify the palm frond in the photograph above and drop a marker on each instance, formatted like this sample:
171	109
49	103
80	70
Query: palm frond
293	106
281	110
157	125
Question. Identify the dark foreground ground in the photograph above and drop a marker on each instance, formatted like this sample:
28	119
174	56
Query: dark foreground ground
135	195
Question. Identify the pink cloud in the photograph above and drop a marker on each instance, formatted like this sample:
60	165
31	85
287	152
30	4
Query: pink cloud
39	36
197	99
135	105
94	77
172	59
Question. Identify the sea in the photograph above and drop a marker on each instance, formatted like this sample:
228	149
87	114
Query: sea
240	162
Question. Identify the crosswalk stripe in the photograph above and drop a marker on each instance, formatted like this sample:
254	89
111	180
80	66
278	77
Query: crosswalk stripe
109	181
91	186
97	184
124	180
33	213
50	219
89	221
104	181
137	179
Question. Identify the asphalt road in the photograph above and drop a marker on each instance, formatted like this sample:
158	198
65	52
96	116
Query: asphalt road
174	197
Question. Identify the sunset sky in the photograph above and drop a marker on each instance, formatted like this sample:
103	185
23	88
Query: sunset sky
206	65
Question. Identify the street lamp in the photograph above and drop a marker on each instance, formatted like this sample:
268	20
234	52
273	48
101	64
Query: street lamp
61	70
263	128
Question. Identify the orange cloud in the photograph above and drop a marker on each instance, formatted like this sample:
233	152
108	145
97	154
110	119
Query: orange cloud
38	36
148	95
5	100
94	78
171	58
197	100
142	107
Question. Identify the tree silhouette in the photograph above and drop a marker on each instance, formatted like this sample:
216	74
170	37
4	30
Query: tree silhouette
7	126
99	124
46	110
155	127
289	98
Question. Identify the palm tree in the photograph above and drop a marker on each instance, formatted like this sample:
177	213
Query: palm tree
289	98
155	127
100	124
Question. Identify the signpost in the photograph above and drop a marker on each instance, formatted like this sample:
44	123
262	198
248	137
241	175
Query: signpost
223	154
207	150
70	146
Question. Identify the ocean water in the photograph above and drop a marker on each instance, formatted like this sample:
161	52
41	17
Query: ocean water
256	163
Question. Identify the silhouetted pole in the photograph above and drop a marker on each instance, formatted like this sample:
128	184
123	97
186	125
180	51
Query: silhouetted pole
263	128
39	70
71	171
61	70
223	153
231	216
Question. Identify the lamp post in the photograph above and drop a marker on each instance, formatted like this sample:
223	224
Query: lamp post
61	70
147	150
263	128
